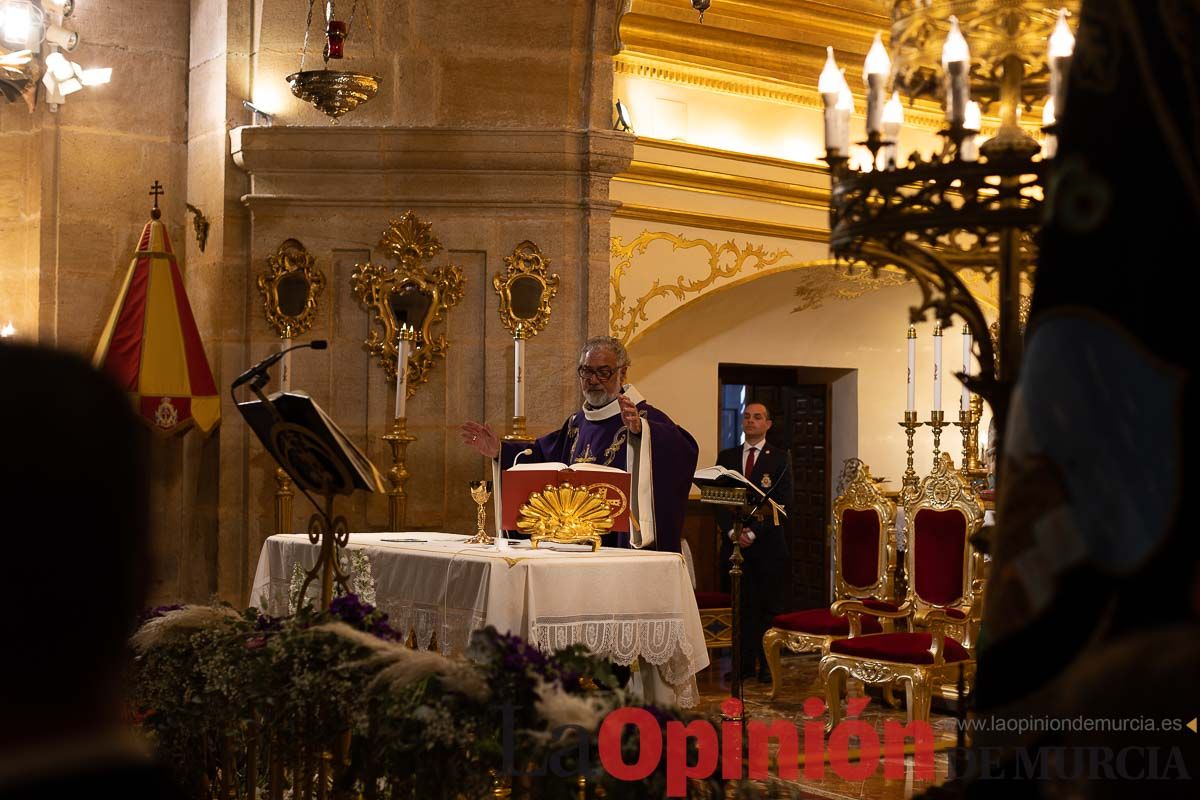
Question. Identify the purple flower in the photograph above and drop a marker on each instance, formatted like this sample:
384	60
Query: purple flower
156	612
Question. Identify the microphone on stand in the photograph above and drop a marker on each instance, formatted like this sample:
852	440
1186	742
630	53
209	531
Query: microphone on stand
526	452
261	367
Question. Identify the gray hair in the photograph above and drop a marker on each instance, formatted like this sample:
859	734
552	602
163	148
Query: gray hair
605	343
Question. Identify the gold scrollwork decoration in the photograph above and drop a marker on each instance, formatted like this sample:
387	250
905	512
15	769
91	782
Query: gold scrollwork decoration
826	281
725	260
290	288
526	288
407	294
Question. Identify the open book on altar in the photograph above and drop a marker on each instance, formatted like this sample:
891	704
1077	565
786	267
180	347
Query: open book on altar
730	478
522	480
310	446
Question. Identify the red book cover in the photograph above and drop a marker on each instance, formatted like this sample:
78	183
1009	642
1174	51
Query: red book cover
517	484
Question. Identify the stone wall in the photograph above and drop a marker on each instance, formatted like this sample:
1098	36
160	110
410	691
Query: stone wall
492	86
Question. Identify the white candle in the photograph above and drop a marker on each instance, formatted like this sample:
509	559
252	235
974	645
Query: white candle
912	369
956	60
828	84
893	118
842	112
972	122
937	367
519	378
1062	46
966	393
402	374
285	372
875	73
1049	117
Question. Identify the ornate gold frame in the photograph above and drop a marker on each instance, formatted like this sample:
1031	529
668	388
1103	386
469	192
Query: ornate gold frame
862	494
290	259
525	263
410	242
944	489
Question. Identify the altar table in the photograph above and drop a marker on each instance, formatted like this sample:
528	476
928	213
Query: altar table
624	605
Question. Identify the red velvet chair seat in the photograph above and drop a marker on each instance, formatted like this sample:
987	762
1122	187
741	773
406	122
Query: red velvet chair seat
905	648
712	600
823	622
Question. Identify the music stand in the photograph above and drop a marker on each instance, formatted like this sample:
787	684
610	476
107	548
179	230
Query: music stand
310	447
734	492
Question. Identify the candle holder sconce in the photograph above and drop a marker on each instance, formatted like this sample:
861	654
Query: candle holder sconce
406	294
290	289
937	421
525	288
911	482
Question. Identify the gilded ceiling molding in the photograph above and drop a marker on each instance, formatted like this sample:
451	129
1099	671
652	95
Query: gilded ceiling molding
925	115
720	222
697	180
647	142
714	80
725	260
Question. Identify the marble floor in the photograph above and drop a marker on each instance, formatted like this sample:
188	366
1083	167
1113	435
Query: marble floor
801	683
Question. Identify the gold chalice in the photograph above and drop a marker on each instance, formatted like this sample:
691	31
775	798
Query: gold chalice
481	492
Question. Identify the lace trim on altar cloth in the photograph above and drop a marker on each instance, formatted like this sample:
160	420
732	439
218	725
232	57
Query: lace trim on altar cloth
658	639
452	626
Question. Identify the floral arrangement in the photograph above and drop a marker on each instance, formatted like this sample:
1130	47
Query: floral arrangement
237	698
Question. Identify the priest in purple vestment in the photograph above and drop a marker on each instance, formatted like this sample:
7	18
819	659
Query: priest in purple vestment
616	427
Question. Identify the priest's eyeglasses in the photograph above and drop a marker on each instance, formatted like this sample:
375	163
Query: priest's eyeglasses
602	373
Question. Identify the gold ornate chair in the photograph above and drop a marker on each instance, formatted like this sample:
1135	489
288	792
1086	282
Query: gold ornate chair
716	618
863	541
945	601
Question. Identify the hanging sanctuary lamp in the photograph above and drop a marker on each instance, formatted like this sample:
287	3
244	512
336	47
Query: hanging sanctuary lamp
333	92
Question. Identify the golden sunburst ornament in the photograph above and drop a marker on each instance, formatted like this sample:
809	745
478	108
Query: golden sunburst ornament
566	514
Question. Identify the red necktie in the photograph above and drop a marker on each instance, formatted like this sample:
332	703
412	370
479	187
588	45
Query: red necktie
750	461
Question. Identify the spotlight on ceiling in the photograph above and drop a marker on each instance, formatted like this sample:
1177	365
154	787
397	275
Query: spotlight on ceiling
624	123
261	117
17	23
66	39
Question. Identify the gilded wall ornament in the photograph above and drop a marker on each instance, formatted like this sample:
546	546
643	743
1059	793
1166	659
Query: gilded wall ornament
826	281
525	289
407	294
290	288
725	260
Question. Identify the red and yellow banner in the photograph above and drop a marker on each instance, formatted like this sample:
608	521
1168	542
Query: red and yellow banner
151	346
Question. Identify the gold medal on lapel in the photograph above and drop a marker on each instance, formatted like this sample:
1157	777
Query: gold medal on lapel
766	481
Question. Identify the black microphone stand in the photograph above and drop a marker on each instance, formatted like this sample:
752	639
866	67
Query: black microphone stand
308	460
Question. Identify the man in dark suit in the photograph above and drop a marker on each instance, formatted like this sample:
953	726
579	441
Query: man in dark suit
763	542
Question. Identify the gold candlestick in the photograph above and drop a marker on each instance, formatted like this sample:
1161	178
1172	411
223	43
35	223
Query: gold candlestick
518	432
481	492
283	501
968	423
937	421
398	439
910	425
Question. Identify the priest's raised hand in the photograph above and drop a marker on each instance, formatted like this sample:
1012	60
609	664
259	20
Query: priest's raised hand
481	438
629	415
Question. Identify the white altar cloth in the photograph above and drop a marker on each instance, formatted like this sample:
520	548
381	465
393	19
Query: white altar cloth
624	605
